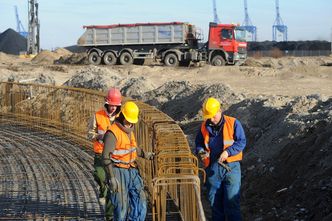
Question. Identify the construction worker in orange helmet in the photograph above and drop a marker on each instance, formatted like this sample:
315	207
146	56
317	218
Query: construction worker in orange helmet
219	144
119	155
98	125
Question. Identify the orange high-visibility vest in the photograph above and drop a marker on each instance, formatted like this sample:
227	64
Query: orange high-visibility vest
228	137
125	153
103	123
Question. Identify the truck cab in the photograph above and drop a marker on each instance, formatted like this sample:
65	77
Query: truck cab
226	44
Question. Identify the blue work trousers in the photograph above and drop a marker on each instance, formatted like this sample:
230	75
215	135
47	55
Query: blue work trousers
130	200
224	191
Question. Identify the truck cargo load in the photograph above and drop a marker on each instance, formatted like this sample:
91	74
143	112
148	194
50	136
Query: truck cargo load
126	34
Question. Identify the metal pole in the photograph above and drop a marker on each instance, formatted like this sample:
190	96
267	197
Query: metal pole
331	42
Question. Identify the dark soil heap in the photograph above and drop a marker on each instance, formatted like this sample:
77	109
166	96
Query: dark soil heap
12	42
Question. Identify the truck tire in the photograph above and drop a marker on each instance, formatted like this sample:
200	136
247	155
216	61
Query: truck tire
218	60
94	58
109	58
171	60
126	58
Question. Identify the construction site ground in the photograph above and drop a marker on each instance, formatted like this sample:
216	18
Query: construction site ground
284	104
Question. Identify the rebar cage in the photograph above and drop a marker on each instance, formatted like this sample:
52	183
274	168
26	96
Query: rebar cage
172	181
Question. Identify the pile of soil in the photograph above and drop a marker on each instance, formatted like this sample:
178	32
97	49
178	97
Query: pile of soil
94	77
39	79
75	58
48	57
12	42
5	58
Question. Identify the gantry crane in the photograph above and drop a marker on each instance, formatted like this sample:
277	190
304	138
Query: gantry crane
279	27
19	27
247	24
34	26
215	14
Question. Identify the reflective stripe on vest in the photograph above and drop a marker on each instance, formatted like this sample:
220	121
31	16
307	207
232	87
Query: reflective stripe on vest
103	123
124	154
228	139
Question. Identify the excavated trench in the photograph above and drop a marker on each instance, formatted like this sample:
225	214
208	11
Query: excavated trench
286	171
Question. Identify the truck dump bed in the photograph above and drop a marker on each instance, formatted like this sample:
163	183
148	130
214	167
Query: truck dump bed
140	33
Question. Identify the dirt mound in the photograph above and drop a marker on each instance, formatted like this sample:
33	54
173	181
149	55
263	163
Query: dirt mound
287	62
94	77
182	100
39	79
48	57
75	58
5	58
62	52
12	42
288	150
135	87
44	57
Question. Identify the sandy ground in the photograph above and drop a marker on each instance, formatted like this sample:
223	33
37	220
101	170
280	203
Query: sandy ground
285	106
286	76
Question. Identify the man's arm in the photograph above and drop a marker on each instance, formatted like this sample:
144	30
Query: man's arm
92	129
199	142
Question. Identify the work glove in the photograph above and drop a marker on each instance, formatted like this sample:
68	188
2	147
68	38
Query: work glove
100	137
149	155
203	154
113	185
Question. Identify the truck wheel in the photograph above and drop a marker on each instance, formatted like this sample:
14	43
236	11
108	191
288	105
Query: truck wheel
126	58
171	60
218	61
109	58
94	58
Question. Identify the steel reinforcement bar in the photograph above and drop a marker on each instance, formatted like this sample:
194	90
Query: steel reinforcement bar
171	178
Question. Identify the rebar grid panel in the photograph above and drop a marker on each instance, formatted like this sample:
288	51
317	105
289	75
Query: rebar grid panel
44	176
171	179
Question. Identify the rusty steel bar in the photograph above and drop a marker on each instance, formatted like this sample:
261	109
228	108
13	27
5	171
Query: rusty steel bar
171	178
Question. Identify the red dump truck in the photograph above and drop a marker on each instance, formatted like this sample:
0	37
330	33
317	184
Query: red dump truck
174	43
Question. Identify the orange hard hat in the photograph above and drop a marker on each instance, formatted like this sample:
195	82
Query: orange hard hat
113	97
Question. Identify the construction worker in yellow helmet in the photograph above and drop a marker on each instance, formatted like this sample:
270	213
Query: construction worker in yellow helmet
119	157
220	142
97	127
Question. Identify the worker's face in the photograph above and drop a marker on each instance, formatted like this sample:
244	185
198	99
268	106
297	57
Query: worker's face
111	109
216	119
127	123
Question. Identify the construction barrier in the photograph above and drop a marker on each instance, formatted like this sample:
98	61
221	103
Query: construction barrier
171	179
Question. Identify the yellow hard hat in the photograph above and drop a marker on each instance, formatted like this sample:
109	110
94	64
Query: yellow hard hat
130	112
211	107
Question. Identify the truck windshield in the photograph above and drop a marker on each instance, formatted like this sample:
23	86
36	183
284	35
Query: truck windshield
240	34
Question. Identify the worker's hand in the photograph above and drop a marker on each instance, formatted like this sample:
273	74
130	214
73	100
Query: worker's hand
149	155
203	154
100	137
114	184
223	156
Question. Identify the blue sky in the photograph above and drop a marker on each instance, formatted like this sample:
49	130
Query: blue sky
62	20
